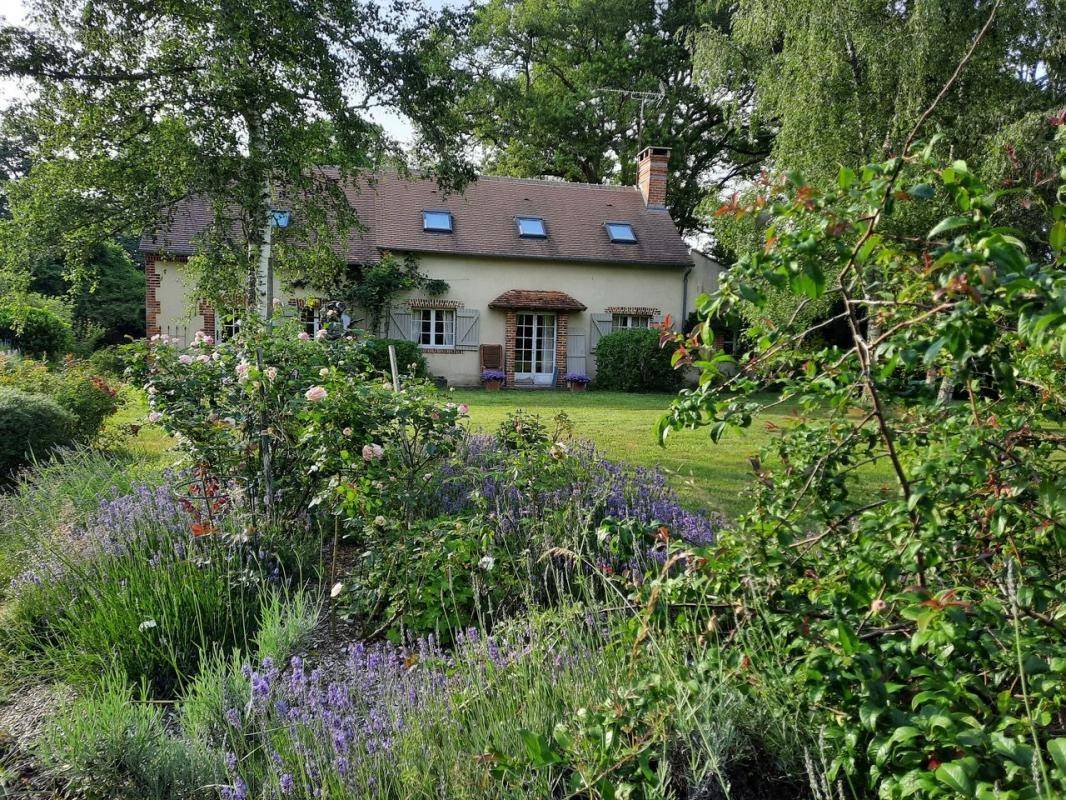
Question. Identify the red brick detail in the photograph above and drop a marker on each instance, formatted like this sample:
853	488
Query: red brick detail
208	313
636	311
653	169
151	302
510	334
562	323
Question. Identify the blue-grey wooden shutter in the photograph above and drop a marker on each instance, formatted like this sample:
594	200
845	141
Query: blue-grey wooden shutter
599	325
401	324
576	354
467	329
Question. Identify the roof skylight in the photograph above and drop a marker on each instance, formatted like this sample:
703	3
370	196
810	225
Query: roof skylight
620	232
437	221
531	227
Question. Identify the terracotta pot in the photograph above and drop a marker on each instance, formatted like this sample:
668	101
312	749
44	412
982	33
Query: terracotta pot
577	387
493	386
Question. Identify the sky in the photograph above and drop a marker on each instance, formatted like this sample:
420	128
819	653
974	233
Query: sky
13	12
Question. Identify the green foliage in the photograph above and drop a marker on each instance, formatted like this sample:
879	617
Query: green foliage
114	743
85	395
34	331
409	357
550	95
113	360
31	427
923	627
633	361
379	283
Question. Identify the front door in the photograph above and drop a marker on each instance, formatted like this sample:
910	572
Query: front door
534	349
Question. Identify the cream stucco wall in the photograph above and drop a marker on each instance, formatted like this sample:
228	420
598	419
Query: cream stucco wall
475	282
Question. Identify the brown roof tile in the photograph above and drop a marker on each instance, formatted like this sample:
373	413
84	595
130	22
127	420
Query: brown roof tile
391	209
535	300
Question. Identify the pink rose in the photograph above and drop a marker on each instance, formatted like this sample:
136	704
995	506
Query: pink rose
271	373
322	334
315	393
463	408
372	452
204	358
303	337
346	432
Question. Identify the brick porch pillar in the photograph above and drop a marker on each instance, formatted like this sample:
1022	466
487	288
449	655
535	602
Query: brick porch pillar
510	333
562	324
151	303
208	313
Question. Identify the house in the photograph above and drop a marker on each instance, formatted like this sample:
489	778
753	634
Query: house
537	270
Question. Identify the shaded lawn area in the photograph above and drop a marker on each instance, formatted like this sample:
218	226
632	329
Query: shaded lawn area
622	426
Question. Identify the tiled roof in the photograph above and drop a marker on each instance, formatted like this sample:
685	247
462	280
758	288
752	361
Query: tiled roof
537	301
390	209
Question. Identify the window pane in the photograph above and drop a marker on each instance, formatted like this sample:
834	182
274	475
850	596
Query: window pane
532	227
437	221
620	232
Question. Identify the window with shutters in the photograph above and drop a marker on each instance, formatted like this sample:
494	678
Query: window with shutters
309	320
435	327
621	322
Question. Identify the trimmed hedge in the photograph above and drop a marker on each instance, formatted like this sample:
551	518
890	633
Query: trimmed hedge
31	427
409	358
34	331
632	361
86	396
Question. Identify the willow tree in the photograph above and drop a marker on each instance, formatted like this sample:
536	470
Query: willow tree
137	105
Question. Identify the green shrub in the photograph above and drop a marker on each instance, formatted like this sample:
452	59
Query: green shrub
409	358
88	397
113	743
31	427
632	361
34	331
113	360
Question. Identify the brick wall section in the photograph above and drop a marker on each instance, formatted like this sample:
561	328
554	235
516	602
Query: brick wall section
151	303
562	324
208	313
510	334
653	168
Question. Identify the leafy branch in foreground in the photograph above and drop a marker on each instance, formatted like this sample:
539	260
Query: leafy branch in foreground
924	623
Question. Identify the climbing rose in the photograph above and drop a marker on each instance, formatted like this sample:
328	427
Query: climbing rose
315	393
322	334
184	358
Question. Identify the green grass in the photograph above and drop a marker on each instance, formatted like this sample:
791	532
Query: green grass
622	426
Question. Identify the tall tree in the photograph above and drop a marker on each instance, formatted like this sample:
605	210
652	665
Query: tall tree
239	101
556	91
843	81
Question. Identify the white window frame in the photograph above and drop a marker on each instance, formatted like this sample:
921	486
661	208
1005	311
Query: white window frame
624	322
438	340
312	325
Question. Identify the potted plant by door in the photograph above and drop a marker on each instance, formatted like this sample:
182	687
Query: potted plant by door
492	379
576	381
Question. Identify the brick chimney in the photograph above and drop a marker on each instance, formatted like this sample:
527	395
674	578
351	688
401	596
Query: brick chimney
653	167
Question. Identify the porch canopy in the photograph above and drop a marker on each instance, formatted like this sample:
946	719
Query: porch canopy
536	300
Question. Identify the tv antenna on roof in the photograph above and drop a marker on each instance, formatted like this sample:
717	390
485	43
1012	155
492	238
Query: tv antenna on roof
645	98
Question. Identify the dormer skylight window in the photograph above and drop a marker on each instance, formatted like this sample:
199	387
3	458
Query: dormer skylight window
531	227
437	221
620	232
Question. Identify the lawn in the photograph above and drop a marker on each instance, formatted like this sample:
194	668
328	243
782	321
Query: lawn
623	427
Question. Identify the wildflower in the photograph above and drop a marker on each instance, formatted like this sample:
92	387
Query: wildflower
155	416
303	337
315	393
185	358
321	334
146	625
487	563
271	373
372	452
346	432
324	372
336	590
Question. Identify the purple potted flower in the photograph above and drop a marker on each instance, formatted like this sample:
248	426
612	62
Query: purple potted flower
576	381
493	379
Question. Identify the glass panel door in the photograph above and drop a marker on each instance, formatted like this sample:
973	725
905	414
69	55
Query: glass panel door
534	357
